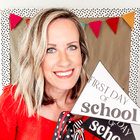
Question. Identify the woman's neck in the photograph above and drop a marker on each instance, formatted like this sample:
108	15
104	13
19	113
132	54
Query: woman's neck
61	97
63	102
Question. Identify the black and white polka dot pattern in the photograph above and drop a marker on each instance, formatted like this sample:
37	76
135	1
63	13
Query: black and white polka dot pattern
67	128
84	13
64	124
5	40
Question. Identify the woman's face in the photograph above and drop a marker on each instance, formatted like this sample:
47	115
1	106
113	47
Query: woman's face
62	63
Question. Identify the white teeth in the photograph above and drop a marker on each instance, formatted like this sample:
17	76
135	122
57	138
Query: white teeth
64	73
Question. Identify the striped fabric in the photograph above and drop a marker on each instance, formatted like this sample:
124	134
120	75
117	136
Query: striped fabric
67	129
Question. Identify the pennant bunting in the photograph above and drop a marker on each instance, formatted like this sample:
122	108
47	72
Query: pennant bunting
113	23
103	98
129	18
95	27
27	21
14	20
83	24
109	130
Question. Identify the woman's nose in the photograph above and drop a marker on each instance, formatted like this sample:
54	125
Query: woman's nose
64	59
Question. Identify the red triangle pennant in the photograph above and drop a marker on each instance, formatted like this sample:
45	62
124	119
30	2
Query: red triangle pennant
113	23
27	21
14	20
95	26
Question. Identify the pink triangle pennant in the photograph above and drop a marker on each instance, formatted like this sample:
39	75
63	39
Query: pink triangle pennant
113	23
14	20
95	27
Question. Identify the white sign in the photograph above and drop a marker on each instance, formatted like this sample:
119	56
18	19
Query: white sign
103	98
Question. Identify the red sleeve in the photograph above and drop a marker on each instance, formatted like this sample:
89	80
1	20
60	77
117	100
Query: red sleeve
8	121
89	136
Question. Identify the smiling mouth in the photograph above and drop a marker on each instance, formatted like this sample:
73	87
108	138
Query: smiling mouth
64	74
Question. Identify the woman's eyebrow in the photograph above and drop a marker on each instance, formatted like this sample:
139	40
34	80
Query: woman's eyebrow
51	44
54	45
72	42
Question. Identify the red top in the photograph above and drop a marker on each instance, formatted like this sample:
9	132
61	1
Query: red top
15	124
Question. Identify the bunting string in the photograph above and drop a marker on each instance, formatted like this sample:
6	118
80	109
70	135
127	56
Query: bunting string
95	26
112	22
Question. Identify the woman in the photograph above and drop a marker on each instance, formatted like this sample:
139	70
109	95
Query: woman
51	77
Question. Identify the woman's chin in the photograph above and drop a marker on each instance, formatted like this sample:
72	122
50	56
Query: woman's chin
65	86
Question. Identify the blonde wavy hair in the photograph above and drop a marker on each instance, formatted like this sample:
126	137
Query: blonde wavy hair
30	79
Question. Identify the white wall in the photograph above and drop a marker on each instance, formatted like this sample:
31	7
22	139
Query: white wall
5	4
68	3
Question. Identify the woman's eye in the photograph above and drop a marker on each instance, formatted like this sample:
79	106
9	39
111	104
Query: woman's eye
51	50
72	47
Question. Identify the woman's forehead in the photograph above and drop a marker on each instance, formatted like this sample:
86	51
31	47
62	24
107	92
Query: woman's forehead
62	29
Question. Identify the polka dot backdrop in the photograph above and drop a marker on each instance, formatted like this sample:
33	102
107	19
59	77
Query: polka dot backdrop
82	13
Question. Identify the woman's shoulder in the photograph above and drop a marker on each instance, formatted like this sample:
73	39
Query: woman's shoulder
7	96
9	89
8	104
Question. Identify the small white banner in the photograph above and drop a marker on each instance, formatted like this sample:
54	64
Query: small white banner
103	98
